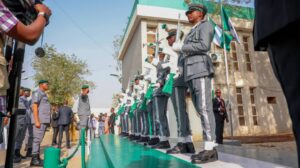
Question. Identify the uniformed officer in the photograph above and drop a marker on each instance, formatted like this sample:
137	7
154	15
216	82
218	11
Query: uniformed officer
40	119
220	115
21	127
29	129
160	101
198	72
150	78
84	109
184	141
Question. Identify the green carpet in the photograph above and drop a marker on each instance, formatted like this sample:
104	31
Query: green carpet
116	152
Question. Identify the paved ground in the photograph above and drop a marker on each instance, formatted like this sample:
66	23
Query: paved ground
271	154
46	143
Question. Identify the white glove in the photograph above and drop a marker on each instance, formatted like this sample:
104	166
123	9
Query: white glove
176	75
177	46
166	65
155	61
157	85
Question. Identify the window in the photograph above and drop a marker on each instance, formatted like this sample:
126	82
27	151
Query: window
234	56
151	39
253	106
247	53
271	100
241	114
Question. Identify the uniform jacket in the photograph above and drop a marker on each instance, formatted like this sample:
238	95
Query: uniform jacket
84	108
21	119
273	18
40	98
162	74
64	115
195	50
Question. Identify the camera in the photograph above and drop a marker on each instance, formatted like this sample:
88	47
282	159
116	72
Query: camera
23	9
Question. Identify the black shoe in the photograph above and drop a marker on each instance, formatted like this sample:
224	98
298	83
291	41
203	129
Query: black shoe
179	148
190	147
143	140
136	137
17	157
162	145
28	152
36	161
130	136
206	156
153	141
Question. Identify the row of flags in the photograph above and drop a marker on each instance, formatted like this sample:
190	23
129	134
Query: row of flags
229	31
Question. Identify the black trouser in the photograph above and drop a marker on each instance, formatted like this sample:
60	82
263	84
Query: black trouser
63	128
112	129
285	59
219	128
54	138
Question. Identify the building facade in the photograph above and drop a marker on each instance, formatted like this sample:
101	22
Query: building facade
258	106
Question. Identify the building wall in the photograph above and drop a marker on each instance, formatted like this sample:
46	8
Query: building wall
132	64
271	115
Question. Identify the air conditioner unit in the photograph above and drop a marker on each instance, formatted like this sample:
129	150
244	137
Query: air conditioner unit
216	57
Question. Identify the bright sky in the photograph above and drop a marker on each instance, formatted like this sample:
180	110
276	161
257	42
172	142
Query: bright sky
86	29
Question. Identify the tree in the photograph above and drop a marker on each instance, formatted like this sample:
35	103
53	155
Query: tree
117	46
65	74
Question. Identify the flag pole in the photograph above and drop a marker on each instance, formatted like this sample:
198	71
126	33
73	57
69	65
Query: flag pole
227	76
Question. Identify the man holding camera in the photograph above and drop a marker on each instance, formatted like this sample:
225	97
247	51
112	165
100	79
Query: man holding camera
11	26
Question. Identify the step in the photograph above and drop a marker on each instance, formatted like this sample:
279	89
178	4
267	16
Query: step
122	153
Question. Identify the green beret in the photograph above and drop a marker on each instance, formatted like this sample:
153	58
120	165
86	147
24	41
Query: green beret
196	7
160	50
43	81
85	86
27	89
173	32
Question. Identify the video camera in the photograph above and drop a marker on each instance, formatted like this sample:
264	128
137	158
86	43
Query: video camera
23	9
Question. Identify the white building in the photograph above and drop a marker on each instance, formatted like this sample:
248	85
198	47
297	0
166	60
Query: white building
258	104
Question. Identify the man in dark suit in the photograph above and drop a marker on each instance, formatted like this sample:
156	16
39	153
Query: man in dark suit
111	122
54	118
64	120
220	115
276	29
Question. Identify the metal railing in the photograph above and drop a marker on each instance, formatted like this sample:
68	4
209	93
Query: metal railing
52	155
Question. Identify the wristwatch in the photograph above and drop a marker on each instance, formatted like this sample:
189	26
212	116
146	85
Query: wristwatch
46	16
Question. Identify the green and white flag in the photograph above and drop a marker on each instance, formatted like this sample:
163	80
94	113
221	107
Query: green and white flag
218	36
228	25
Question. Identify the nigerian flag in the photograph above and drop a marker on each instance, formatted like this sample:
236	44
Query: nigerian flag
218	36
228	25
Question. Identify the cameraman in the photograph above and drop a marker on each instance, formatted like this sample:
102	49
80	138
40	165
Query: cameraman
30	34
11	26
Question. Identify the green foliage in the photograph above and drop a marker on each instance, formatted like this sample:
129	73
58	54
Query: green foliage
65	74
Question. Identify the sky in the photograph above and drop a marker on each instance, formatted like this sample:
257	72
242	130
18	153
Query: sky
86	30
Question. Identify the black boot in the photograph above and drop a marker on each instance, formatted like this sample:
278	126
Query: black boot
162	145
153	141
179	148
190	147
36	161
17	156
28	152
205	157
